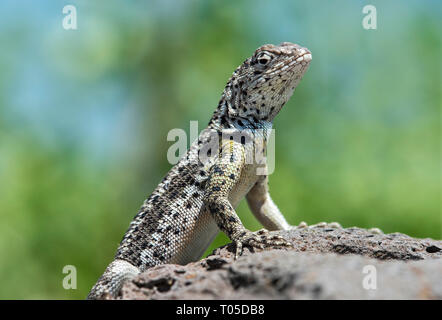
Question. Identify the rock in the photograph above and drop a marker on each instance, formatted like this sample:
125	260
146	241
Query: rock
324	263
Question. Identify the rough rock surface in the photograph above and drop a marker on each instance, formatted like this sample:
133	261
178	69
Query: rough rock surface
323	264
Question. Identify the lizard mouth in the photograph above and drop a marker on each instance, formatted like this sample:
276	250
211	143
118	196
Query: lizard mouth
307	57
303	59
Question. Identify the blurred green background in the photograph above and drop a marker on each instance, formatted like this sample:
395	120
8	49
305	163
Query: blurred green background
84	116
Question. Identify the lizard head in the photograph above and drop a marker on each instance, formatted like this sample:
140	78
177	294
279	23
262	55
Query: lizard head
263	83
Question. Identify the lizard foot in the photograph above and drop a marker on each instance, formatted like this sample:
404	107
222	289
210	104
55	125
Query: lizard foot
304	225
260	239
333	225
375	231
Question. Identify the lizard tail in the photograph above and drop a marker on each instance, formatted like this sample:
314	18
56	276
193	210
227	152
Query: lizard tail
110	283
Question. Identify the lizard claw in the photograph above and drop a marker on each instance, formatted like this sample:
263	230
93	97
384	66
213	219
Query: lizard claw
375	231
319	225
304	225
260	239
301	225
334	225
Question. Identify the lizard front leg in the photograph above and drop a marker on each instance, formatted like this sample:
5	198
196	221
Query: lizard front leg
224	175
263	207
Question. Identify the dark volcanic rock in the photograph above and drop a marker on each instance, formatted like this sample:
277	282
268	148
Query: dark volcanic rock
323	264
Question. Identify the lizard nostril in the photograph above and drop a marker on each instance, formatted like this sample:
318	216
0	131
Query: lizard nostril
308	57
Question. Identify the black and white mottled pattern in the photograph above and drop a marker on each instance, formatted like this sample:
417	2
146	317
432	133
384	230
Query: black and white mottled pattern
197	198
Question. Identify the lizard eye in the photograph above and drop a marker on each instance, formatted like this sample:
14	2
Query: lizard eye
263	58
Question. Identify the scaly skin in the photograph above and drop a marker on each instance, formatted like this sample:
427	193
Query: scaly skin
197	198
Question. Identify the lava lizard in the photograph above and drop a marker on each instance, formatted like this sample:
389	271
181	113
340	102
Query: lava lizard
198	196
